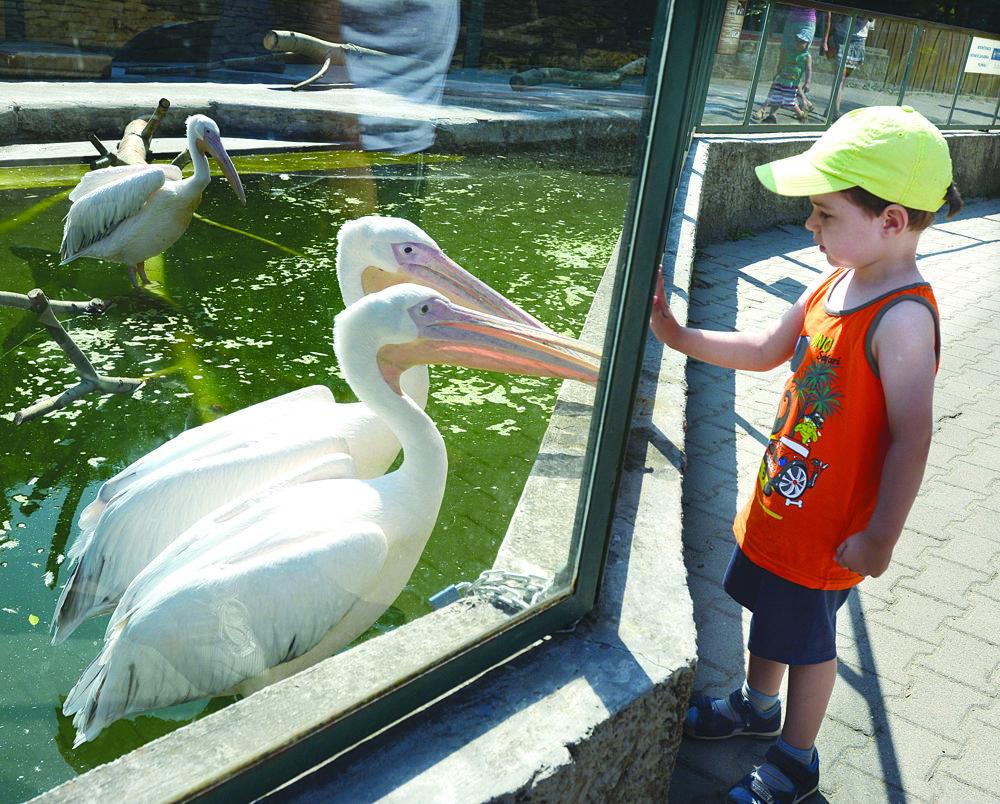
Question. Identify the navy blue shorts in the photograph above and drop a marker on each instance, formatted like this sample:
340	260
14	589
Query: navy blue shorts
791	624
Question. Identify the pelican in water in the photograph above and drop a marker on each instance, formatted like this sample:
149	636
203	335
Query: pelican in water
294	571
130	213
148	504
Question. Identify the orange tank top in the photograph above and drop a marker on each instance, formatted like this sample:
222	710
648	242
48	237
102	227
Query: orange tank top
819	479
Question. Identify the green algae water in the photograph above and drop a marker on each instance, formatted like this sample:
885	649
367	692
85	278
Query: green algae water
243	311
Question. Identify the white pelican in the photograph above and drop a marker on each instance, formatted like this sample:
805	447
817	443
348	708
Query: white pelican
130	213
293	572
149	503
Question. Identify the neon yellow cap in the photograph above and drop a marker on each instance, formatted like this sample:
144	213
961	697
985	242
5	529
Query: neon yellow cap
893	152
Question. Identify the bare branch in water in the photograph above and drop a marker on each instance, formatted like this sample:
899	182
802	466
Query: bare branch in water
90	380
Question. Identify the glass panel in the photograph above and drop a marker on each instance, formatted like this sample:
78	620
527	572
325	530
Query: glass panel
889	47
856	59
976	104
506	133
938	63
734	63
845	68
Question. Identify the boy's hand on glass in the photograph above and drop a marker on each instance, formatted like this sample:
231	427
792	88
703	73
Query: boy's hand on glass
662	320
864	554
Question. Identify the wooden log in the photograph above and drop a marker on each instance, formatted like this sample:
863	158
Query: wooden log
22	302
133	148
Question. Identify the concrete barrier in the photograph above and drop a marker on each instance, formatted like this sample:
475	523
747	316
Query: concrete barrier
734	204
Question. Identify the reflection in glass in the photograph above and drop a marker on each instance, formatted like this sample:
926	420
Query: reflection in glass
855	60
788	60
732	72
418	40
844	40
240	309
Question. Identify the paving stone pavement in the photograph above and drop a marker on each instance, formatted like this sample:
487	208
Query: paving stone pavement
915	714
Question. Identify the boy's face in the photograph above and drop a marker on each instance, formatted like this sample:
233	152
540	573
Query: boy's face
844	232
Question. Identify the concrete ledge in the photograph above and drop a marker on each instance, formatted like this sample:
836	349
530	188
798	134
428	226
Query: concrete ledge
735	204
487	119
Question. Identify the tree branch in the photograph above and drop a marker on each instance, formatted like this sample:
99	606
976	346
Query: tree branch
90	380
318	50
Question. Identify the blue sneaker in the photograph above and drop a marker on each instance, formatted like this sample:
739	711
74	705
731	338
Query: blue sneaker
703	722
770	783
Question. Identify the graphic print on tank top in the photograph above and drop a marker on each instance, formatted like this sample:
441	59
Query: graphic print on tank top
810	399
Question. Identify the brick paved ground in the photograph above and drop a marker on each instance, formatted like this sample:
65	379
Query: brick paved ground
915	715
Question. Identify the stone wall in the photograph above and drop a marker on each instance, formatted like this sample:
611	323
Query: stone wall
593	35
103	25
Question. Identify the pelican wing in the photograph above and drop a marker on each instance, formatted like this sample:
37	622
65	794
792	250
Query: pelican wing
105	202
211	537
99	178
195	441
147	516
211	625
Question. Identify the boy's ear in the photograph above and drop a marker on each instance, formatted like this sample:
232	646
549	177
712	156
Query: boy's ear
895	220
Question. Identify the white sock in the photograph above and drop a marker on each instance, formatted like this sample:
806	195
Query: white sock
758	700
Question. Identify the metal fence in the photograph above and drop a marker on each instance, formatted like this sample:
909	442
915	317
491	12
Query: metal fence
848	58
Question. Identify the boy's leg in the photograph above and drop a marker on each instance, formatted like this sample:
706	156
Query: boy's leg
809	690
752	711
791	768
764	675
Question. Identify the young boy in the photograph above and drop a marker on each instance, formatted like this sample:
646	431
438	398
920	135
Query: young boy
848	447
791	82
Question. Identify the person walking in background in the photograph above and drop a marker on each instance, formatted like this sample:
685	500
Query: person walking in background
846	454
837	32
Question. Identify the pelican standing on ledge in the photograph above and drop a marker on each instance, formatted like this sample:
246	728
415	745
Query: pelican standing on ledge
295	571
130	213
148	504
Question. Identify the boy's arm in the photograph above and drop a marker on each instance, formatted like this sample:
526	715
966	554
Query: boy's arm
809	72
904	350
754	351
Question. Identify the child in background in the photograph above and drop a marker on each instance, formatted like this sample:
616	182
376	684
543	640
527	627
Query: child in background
847	451
799	22
791	83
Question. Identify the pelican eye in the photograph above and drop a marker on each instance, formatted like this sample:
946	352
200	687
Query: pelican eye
425	309
408	250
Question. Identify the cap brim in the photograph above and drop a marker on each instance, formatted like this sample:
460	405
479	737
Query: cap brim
796	175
